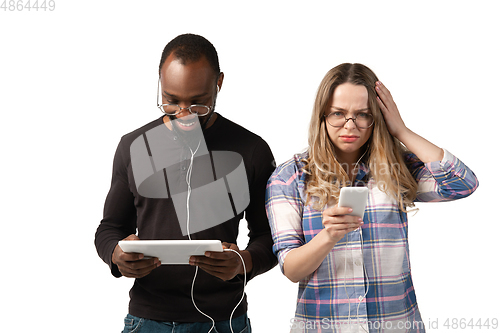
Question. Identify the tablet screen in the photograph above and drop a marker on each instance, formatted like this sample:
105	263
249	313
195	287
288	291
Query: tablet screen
171	252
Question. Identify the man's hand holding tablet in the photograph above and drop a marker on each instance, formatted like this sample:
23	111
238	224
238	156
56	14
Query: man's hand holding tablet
133	265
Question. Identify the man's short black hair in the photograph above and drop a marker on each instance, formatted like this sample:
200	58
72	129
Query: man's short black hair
190	48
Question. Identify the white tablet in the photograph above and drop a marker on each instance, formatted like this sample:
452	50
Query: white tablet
171	252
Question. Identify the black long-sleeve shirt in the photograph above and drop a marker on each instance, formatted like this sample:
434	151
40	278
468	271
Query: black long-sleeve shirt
165	294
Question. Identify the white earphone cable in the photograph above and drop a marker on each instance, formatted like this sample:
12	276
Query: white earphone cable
244	284
188	182
364	267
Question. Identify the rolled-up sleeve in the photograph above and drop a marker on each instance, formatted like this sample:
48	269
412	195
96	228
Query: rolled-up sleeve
445	180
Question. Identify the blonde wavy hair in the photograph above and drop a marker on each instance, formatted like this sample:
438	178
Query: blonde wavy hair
384	153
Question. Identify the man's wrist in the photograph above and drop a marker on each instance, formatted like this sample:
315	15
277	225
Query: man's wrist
247	258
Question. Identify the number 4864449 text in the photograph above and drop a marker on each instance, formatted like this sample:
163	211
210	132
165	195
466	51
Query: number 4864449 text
27	6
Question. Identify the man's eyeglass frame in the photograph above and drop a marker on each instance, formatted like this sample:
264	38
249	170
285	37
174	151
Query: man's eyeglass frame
160	106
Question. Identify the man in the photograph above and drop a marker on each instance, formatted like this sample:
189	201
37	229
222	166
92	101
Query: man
190	141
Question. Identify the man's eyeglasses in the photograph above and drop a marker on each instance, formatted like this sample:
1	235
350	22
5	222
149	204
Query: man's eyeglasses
174	109
362	120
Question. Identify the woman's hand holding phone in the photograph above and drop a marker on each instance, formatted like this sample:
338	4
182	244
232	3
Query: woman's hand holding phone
338	223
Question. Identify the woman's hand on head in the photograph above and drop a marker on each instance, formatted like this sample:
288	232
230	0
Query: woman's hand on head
392	117
426	151
337	223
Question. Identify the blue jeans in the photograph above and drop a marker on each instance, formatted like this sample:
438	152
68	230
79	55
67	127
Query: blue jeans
141	325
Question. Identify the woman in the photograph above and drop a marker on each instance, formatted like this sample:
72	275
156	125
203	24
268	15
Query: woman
354	272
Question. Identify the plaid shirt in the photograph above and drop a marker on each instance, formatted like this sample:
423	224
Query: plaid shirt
373	260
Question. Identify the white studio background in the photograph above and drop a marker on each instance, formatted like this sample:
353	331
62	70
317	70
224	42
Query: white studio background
74	80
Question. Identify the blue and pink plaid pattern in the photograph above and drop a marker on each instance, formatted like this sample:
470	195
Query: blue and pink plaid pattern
374	260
